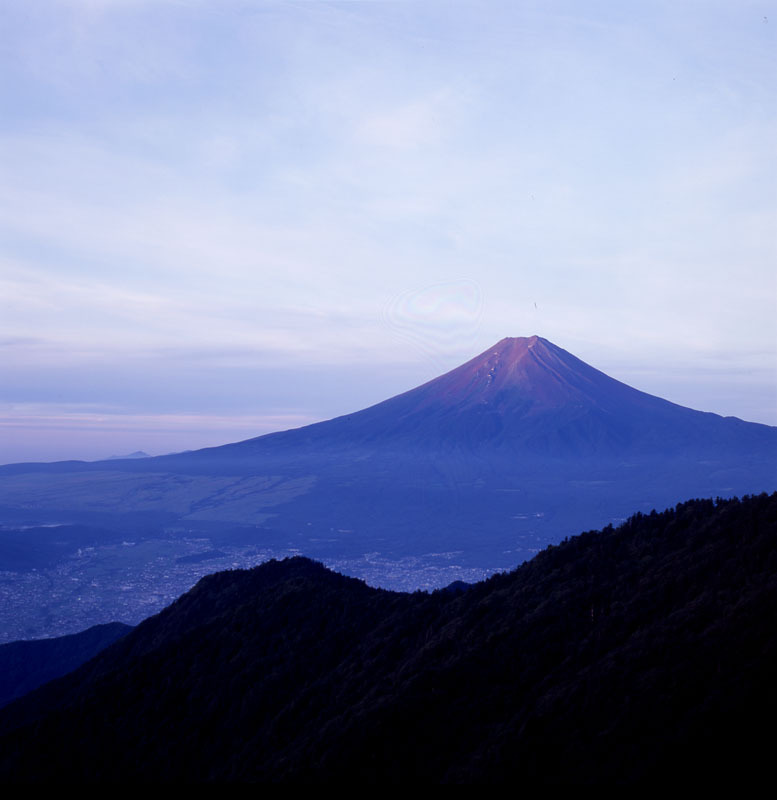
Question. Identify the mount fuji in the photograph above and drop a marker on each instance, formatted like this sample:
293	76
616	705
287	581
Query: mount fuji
524	396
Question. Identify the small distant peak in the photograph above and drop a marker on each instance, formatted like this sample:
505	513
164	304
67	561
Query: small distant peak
136	454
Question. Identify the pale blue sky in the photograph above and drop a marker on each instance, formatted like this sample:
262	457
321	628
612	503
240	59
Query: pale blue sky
223	218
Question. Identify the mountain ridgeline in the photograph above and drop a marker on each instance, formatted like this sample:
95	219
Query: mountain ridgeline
643	653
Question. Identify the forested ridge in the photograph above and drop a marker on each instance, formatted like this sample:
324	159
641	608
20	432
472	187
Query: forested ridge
645	652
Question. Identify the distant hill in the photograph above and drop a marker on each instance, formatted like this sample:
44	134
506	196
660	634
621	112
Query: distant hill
26	665
644	653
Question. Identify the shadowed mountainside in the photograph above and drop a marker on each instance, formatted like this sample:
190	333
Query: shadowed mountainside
642	653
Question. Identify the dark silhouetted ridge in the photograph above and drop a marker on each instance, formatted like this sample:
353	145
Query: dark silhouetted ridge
644	653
